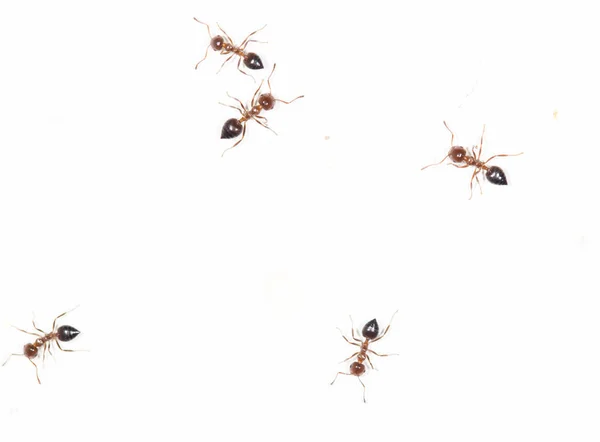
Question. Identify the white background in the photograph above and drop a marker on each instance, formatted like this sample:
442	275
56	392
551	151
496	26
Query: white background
210	288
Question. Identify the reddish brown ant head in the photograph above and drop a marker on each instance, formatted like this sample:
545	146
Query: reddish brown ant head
371	329
457	154
30	351
217	43
356	368
67	333
266	101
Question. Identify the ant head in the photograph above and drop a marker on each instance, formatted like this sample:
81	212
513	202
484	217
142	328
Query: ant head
356	368
371	329
30	351
253	61
457	154
266	101
67	333
232	128
495	175
217	43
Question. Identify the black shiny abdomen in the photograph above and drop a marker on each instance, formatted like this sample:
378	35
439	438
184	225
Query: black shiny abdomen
232	128
67	333
371	329
253	61
495	175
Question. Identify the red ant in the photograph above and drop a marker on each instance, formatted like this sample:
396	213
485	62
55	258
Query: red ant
63	333
226	46
236	126
460	155
371	334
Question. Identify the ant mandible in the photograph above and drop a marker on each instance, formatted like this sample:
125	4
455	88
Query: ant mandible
371	334
64	333
236	126
460	155
226	46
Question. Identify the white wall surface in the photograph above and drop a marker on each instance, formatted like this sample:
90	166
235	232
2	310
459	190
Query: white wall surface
210	288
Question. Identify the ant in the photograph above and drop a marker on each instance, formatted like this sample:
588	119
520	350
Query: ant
460	155
371	334
63	333
234	126
226	46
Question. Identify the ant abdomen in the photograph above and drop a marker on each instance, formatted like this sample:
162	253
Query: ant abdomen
495	175
232	128
356	368
67	333
253	61
371	329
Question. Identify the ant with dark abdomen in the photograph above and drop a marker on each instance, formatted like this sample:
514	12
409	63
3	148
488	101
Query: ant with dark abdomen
370	333
226	46
460	155
64	333
236	126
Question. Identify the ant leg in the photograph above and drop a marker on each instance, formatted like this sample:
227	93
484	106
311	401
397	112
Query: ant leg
475	172
233	107
479	184
60	316
338	373
62	349
270	75
66	349
504	155
225	62
239	141
382	355
10	356
205	55
240	69
256	93
386	329
29	333
243	48
452	139
351	343
364	390
436	164
264	125
353	337
245	42
289	102
36	372
207	27
228	37
349	357
481	143
464	166
35	326
236	99
370	363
